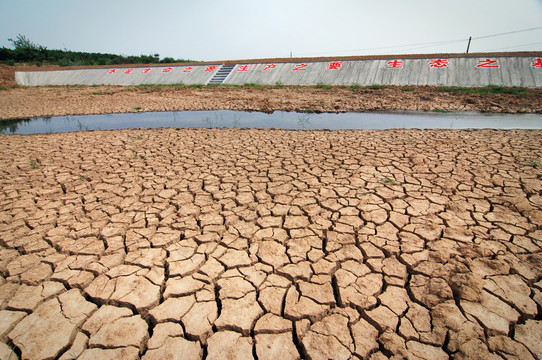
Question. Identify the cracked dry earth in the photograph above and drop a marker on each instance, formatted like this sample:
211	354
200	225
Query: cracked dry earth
240	244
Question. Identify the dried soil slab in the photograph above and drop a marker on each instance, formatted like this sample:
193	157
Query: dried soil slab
175	348
8	320
5	351
122	332
239	314
78	346
276	346
104	315
329	338
29	269
54	323
28	297
172	309
127	353
234	344
514	290
199	320
530	335
162	332
128	284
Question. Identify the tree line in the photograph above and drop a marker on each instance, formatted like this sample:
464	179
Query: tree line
25	51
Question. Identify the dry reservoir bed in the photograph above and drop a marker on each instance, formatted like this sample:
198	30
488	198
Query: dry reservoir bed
273	244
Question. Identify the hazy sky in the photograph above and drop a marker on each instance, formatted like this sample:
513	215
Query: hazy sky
243	29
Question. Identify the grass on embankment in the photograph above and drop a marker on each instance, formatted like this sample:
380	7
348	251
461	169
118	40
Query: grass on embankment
487	90
491	89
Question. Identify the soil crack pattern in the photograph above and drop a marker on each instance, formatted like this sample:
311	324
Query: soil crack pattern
271	244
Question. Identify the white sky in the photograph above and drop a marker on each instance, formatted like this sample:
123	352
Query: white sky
211	30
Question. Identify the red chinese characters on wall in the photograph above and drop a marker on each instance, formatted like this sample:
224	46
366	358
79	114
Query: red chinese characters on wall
394	64
487	63
537	63
269	66
332	65
335	65
438	63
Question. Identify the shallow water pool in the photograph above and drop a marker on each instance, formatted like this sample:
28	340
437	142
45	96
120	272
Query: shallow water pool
278	119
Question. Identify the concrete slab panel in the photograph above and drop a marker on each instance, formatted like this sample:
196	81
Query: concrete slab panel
118	76
536	73
373	75
456	71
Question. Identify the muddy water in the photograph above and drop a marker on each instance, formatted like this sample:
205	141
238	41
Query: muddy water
278	119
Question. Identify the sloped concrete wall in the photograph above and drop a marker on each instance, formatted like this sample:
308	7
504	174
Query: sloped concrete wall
467	72
524	71
195	74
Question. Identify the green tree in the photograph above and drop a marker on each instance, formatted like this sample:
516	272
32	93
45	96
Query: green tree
22	42
26	50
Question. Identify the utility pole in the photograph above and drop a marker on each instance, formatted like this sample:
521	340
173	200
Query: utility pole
290	54
468	45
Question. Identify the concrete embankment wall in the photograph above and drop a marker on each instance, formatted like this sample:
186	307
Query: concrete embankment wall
523	71
117	76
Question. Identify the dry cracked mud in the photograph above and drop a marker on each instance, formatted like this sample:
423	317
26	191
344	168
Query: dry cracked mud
240	244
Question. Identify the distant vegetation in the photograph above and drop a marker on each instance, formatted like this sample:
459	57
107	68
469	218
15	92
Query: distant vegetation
25	51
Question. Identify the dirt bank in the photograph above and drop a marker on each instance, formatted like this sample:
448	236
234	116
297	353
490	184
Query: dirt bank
22	102
76	100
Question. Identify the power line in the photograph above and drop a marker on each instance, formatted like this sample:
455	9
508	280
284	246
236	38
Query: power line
515	47
424	45
507	33
446	43
429	44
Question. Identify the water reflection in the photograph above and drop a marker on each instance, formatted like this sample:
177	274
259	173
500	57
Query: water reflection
218	120
303	121
236	123
278	119
11	126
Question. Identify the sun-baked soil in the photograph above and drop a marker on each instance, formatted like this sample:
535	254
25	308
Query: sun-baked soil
23	102
272	244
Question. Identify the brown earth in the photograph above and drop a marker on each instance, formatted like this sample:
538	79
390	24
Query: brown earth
77	100
271	244
23	102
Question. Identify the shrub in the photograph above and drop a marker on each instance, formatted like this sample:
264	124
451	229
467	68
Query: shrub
323	86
